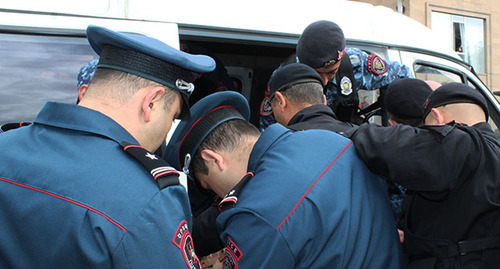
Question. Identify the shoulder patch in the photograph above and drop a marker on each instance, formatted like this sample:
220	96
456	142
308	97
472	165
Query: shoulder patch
230	261
184	242
232	255
376	65
265	107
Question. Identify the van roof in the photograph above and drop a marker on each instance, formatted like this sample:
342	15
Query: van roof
360	21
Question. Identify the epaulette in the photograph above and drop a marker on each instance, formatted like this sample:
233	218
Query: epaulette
231	199
163	173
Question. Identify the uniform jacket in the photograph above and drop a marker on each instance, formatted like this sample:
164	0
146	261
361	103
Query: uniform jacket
453	174
318	207
71	197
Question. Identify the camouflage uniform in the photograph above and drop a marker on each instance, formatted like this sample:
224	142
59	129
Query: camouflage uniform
371	72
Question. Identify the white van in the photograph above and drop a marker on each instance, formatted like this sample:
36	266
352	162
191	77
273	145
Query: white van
43	45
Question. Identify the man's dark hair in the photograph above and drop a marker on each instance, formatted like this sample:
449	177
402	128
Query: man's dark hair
305	93
415	122
228	136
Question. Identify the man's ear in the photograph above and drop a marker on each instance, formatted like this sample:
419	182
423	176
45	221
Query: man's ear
281	100
438	116
81	91
324	100
392	122
213	159
152	100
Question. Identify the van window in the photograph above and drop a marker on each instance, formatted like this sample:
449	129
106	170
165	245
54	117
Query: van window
38	68
427	72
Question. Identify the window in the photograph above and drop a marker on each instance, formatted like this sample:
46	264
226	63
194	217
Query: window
428	72
35	69
466	36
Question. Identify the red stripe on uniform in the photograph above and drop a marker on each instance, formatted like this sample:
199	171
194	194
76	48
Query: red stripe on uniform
166	173
66	199
313	185
132	146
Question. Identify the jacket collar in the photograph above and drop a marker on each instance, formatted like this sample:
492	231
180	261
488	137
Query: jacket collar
266	140
311	112
82	119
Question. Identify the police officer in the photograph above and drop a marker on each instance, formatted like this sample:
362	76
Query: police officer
344	70
298	102
79	186
450	168
290	200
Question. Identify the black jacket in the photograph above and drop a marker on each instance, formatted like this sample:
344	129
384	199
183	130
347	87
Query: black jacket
318	117
452	173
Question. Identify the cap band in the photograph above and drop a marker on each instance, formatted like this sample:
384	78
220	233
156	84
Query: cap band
202	127
294	83
142	65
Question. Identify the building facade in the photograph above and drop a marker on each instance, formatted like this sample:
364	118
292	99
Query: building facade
467	25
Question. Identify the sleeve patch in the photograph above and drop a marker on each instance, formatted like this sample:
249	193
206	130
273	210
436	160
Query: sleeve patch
230	261
184	242
232	246
376	65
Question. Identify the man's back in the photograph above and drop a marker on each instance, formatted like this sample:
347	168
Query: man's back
322	209
70	197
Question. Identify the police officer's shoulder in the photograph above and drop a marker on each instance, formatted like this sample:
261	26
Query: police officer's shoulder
231	198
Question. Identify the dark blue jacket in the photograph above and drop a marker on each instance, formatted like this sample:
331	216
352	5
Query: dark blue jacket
71	197
311	204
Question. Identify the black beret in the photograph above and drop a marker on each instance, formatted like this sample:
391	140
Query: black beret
452	93
208	113
293	74
405	97
321	44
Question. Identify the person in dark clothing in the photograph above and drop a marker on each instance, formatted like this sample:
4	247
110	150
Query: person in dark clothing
344	71
404	99
298	102
450	168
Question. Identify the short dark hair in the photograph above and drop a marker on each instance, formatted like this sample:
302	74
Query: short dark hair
228	136
305	93
127	84
415	122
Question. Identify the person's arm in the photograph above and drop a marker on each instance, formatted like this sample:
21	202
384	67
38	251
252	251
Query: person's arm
251	242
373	72
421	159
159	236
